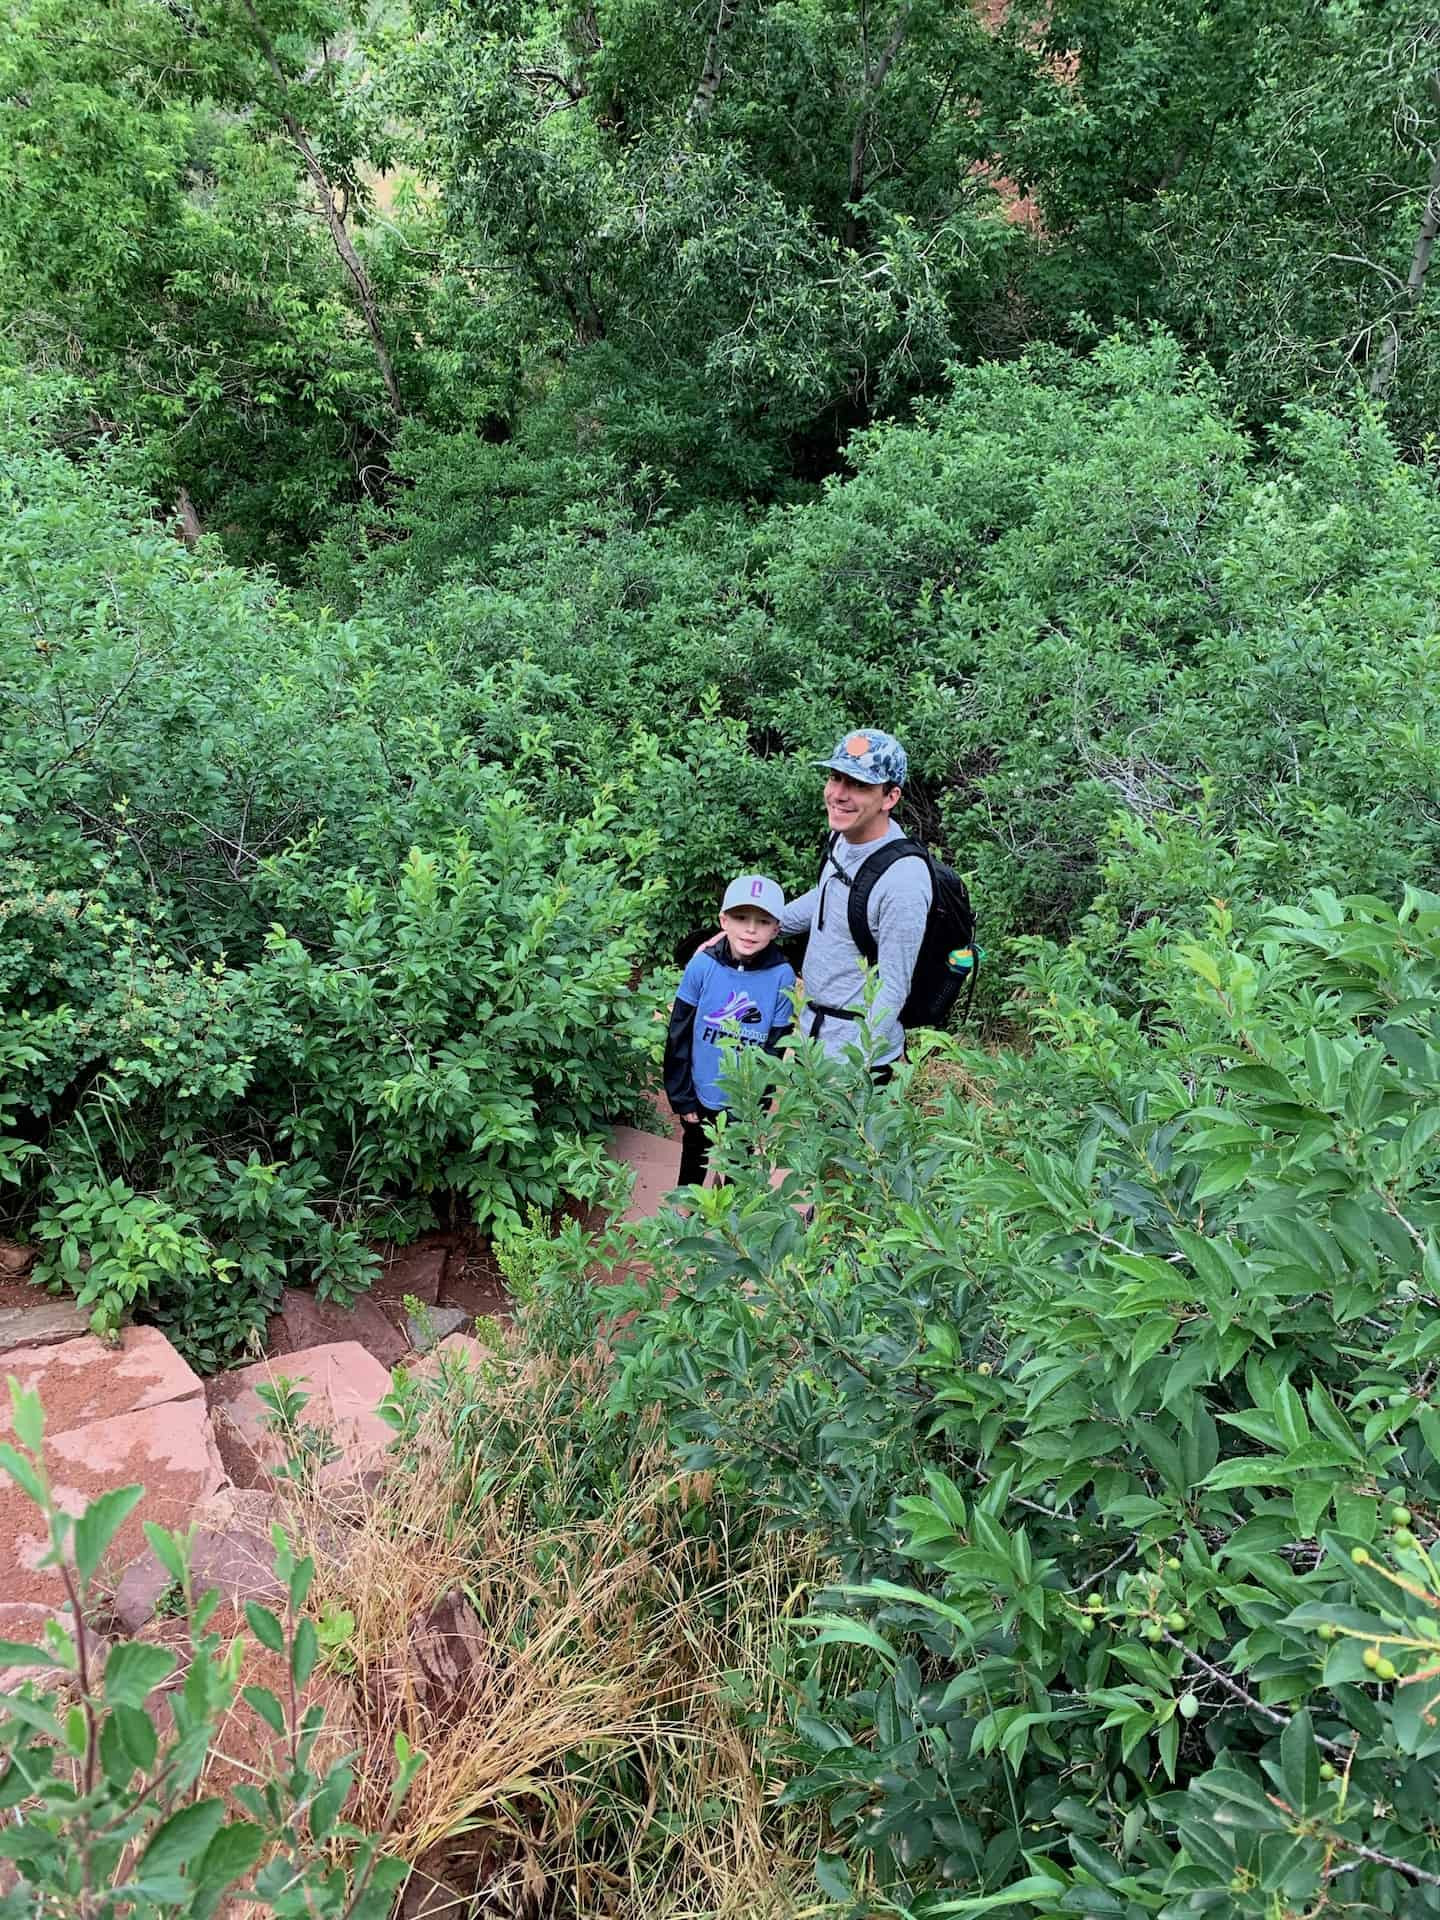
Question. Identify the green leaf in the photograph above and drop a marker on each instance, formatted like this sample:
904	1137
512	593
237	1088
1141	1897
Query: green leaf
168	1549
1257	1471
183	1837
28	1415
325	1808
99	1524
836	1630
1289	1417
1309	1500
832	1876
233	1851
265	1627
18	1653
136	1731
1300	1763
22	1473
133	1671
300	1579
115	1762
304	1651
267	1706
820	1733
1034	1886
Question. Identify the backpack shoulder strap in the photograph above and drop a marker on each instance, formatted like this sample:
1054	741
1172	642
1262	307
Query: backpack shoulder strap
874	868
834	865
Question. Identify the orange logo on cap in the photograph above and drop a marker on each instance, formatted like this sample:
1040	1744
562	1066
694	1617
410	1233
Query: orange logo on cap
858	745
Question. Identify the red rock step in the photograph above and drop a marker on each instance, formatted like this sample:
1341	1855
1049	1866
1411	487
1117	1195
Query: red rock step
129	1415
656	1163
344	1385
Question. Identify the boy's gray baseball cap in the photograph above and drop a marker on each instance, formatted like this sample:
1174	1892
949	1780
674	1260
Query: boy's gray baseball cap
869	755
754	890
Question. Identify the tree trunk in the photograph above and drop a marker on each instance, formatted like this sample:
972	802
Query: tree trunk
351	261
874	79
1389	360
187	521
335	220
708	86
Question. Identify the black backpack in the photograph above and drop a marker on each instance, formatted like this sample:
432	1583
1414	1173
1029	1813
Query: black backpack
937	981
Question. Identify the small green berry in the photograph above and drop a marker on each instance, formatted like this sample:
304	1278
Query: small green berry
1187	1706
1400	1516
1371	1658
1327	1772
1403	1537
1152	1632
1385	1670
1361	1556
1173	1564
1175	1621
984	1369
1095	1603
1329	1631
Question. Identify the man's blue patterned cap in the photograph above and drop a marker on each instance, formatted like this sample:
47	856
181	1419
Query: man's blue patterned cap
876	758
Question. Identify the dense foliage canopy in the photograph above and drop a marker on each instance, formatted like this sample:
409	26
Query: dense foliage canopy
458	463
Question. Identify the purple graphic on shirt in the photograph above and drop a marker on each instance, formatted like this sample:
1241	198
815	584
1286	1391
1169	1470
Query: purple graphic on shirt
738	1006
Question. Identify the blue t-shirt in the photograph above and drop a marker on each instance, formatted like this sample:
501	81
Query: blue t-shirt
744	1004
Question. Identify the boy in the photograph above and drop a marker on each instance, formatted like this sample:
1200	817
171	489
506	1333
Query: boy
738	989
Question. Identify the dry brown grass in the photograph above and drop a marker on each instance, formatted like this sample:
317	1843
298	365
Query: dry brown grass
937	1076
585	1755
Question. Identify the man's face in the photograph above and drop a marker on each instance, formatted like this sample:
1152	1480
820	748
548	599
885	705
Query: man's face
749	930
857	809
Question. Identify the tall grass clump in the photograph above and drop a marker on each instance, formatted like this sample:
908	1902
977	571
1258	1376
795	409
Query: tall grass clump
585	1656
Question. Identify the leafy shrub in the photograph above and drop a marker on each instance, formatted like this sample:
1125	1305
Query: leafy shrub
1098	616
103	1784
1136	668
1119	1419
284	963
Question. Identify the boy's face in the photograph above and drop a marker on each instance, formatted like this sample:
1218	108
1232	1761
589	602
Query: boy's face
749	930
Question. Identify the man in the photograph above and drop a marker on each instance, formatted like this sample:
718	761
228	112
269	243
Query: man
866	775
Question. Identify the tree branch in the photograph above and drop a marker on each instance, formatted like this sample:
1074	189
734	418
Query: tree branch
874	79
708	86
1231	1685
1389	359
334	218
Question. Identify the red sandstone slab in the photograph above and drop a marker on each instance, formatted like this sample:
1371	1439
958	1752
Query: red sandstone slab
304	1322
25	1622
419	1270
345	1384
169	1450
461	1349
230	1549
656	1165
39	1321
85	1380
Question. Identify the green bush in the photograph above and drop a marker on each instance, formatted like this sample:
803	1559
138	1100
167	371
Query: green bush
1107	1376
1136	670
285	964
1098	616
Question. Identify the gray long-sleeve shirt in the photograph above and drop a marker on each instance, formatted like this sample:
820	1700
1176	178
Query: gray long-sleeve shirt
833	971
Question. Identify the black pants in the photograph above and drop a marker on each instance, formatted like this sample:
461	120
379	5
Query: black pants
695	1147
